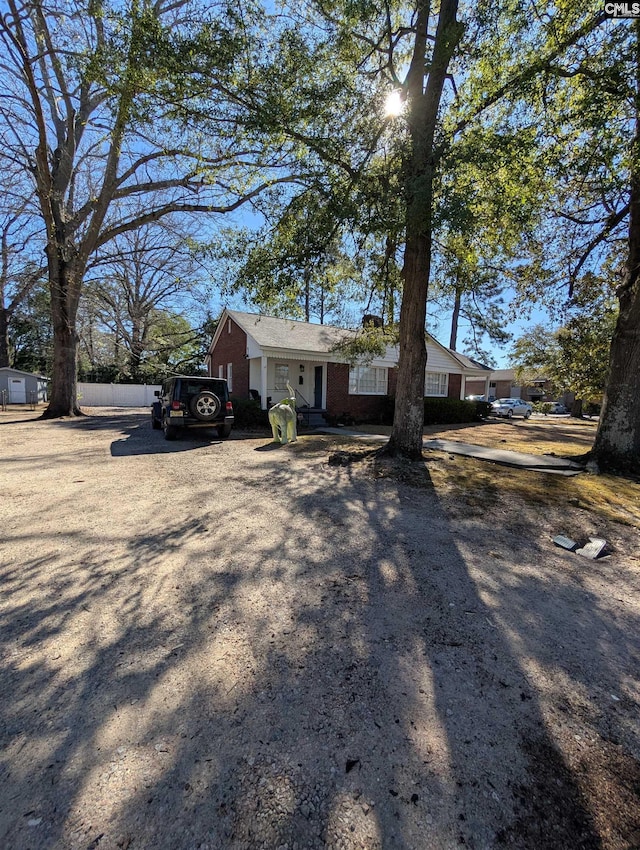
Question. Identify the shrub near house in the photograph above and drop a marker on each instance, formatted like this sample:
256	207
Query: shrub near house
447	411
248	414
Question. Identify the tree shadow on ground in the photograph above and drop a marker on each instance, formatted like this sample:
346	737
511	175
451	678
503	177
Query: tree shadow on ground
136	437
4	421
341	671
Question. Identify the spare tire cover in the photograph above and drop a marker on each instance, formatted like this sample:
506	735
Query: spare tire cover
205	406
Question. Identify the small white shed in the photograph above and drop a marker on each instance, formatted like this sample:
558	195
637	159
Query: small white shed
22	387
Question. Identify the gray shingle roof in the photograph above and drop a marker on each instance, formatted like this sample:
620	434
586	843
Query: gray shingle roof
469	362
272	332
8	369
503	374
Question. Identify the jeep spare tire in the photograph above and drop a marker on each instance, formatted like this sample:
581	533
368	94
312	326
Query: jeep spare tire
205	406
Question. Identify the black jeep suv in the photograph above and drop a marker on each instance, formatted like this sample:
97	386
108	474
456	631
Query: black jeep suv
192	402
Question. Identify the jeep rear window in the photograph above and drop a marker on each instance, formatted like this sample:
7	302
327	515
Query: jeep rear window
191	388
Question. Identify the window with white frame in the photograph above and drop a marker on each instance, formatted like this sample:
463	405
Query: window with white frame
282	376
436	384
230	376
367	380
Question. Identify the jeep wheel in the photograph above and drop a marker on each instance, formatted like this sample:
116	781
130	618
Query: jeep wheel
170	431
223	431
154	422
205	406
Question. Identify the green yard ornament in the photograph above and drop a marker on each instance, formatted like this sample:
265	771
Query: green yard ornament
283	419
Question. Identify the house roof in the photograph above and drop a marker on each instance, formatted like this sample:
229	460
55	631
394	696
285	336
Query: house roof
503	374
271	332
22	372
468	362
274	332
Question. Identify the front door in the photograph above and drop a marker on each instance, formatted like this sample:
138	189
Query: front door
317	388
17	391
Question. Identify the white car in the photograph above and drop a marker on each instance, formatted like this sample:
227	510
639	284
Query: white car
511	407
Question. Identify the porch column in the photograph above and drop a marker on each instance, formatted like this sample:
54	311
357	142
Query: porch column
486	387
263	382
463	387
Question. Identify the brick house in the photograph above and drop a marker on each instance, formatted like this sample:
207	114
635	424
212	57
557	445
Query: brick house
502	384
259	355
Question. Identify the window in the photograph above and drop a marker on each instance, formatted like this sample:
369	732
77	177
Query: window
188	389
221	371
230	376
367	380
436	384
282	376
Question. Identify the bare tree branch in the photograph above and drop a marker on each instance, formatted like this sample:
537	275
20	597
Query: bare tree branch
178	207
611	222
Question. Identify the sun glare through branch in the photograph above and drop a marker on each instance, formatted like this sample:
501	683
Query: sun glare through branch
394	104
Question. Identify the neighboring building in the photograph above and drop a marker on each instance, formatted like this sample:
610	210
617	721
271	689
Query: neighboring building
259	355
502	384
22	387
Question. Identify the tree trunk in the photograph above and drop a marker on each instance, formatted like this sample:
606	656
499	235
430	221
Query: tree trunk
390	250
4	338
455	318
64	397
307	296
135	359
423	105
65	295
137	348
617	443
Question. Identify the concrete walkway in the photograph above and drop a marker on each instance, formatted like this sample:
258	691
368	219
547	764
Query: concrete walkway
520	460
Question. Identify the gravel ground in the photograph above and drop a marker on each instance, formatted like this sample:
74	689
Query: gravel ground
237	645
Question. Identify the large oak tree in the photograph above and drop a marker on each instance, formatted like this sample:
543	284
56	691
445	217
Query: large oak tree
576	79
92	89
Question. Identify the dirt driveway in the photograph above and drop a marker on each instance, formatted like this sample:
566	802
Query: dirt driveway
230	645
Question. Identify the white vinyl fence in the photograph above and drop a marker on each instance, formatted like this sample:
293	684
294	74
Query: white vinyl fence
116	395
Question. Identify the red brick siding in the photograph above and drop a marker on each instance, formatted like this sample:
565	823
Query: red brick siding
231	348
474	387
455	385
477	387
360	406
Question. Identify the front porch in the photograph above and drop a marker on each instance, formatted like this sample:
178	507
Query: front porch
269	376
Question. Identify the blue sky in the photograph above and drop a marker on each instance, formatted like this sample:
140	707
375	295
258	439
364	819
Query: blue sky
439	324
501	354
